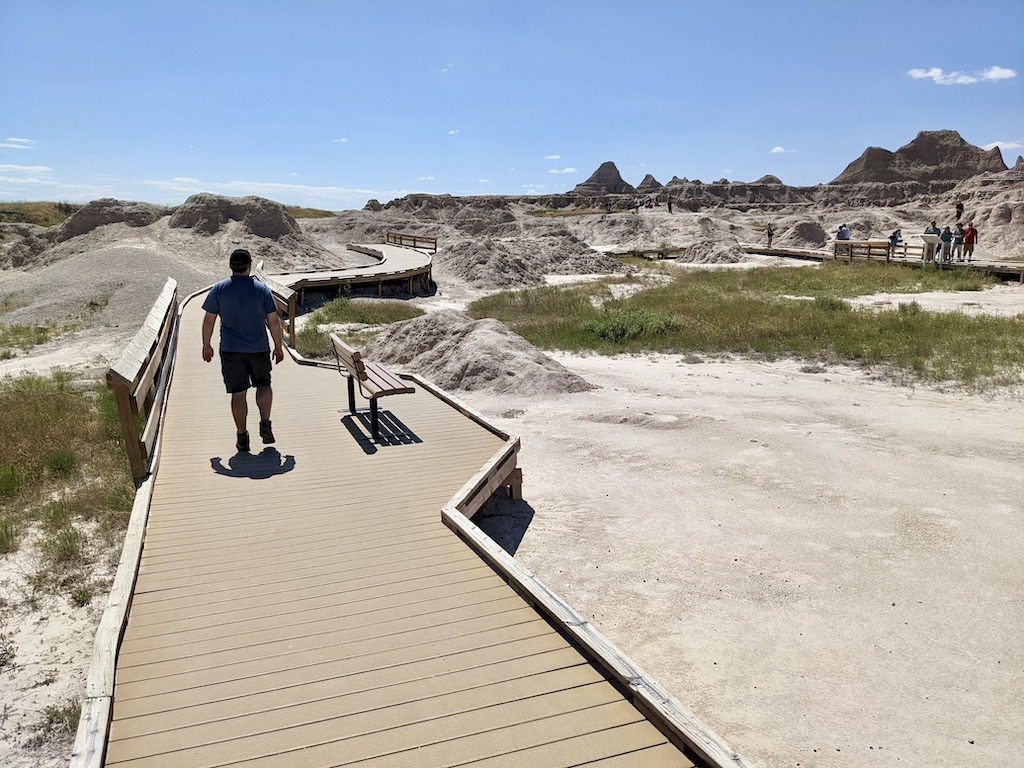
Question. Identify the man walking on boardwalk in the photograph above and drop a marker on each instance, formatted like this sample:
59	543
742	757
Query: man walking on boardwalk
246	309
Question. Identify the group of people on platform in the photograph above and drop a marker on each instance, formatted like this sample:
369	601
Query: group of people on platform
955	244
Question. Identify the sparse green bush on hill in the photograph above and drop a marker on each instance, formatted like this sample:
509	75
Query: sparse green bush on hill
309	213
42	213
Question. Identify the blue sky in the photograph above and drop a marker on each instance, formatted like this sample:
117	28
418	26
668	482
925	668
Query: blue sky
330	103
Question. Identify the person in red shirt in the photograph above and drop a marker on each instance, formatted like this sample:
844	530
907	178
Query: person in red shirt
970	238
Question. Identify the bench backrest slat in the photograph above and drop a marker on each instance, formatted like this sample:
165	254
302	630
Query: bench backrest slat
349	357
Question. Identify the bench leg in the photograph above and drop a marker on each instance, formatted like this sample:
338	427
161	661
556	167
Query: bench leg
351	396
374	420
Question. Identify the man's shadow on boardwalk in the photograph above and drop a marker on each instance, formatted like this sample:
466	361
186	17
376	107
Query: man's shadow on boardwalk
260	466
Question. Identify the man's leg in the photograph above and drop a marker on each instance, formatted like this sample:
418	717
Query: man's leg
239	410
264	401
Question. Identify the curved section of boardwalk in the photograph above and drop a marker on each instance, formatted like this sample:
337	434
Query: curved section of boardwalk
306	606
394	263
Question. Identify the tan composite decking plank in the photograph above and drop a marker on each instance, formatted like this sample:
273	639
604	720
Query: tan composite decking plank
306	606
258	734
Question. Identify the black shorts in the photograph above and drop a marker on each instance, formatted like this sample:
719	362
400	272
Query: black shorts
242	370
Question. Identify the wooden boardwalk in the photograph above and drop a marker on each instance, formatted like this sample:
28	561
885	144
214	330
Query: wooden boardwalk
395	264
306	606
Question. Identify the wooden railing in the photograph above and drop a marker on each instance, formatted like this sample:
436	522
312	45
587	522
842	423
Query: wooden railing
875	249
285	297
140	377
866	249
413	241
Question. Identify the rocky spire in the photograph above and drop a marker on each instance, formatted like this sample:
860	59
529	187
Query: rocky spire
605	181
931	156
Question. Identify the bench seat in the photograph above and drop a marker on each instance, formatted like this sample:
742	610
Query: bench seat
374	380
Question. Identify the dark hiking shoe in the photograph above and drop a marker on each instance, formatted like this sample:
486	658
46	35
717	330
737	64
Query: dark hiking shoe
266	433
242	443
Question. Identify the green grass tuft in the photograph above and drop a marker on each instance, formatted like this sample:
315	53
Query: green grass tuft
61	463
629	324
10	535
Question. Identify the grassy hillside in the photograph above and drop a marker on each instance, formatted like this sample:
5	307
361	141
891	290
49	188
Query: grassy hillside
42	213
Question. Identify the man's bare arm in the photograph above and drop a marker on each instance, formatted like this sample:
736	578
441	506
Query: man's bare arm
208	323
274	324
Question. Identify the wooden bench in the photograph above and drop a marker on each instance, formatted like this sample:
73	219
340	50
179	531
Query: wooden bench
374	380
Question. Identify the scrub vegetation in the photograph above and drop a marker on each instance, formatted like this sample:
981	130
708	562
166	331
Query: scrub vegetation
312	342
773	312
65	487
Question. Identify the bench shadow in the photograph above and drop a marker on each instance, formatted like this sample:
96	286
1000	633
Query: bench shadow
505	520
258	466
390	430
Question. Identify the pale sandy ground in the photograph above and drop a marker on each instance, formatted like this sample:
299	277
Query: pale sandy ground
824	568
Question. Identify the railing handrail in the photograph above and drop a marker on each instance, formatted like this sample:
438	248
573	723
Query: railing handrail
286	299
139	378
416	241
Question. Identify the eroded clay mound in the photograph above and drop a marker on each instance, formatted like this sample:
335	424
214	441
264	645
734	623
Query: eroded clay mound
88	218
459	353
726	251
206	214
502	264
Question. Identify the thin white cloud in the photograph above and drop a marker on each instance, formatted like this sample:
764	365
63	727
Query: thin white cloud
453	131
940	77
24	170
780	151
552	157
483	181
447	68
21	181
533	187
13	143
425	178
1014	144
564	170
998	73
271	189
339	141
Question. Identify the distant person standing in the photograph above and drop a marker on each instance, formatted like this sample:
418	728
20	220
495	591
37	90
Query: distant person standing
670	205
959	210
769	232
929	248
947	240
970	238
246	310
958	243
894	239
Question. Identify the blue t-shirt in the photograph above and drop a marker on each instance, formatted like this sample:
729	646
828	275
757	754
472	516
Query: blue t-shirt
242	303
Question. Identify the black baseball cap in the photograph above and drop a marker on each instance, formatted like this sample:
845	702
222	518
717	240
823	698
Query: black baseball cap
240	258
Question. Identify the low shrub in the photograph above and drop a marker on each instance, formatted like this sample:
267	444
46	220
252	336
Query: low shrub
628	325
